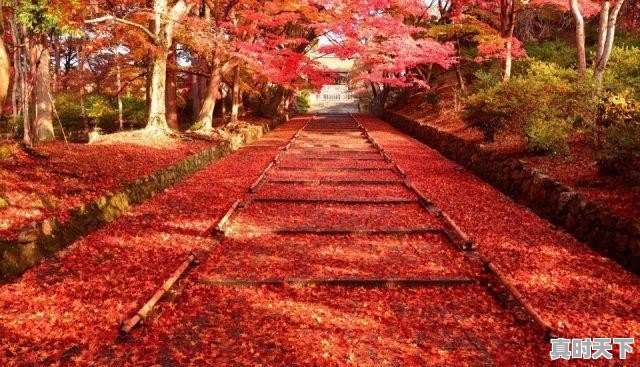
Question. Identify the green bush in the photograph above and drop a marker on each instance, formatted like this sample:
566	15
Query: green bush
101	111
617	133
486	79
548	135
490	110
303	101
69	110
623	71
556	52
546	93
134	111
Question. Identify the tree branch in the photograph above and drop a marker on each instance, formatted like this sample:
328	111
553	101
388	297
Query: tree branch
123	21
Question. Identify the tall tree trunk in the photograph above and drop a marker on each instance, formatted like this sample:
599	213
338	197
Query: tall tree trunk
17	82
56	63
147	83
223	100
602	30
119	87
40	59
163	26
429	73
286	103
235	98
510	13
459	76
21	93
580	37
195	97
271	108
606	31
205	117
157	119
157	92
5	71
172	91
83	106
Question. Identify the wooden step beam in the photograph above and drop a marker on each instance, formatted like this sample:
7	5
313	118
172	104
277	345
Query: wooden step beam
341	282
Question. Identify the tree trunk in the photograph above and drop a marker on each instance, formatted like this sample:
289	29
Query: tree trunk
510	12
286	104
223	99
5	71
608	36
20	97
172	92
157	99
205	117
17	80
429	73
119	87
157	119
56	63
580	37
43	123
459	76
83	107
271	109
147	83
235	98
602	30
195	97
164	19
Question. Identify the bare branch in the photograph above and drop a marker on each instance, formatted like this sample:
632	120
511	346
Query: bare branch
107	18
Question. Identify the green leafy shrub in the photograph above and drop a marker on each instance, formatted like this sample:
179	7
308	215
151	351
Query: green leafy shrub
485	79
617	134
546	93
623	71
134	111
101	111
69	110
548	135
303	101
490	110
556	52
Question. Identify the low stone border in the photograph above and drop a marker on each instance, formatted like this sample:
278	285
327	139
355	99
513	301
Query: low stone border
611	235
44	238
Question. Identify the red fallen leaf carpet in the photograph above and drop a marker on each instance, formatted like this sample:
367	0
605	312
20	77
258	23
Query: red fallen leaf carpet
333	260
39	187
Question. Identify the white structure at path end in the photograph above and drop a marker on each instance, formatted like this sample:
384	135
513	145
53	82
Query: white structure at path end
336	97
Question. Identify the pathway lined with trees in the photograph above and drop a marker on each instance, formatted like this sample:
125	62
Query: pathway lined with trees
127	239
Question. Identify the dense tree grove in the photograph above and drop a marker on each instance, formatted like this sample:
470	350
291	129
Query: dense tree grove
168	65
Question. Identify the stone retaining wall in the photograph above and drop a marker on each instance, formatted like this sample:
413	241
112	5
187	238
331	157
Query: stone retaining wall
43	239
613	236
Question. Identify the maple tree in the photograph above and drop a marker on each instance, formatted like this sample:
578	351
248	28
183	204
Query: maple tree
237	55
5	64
